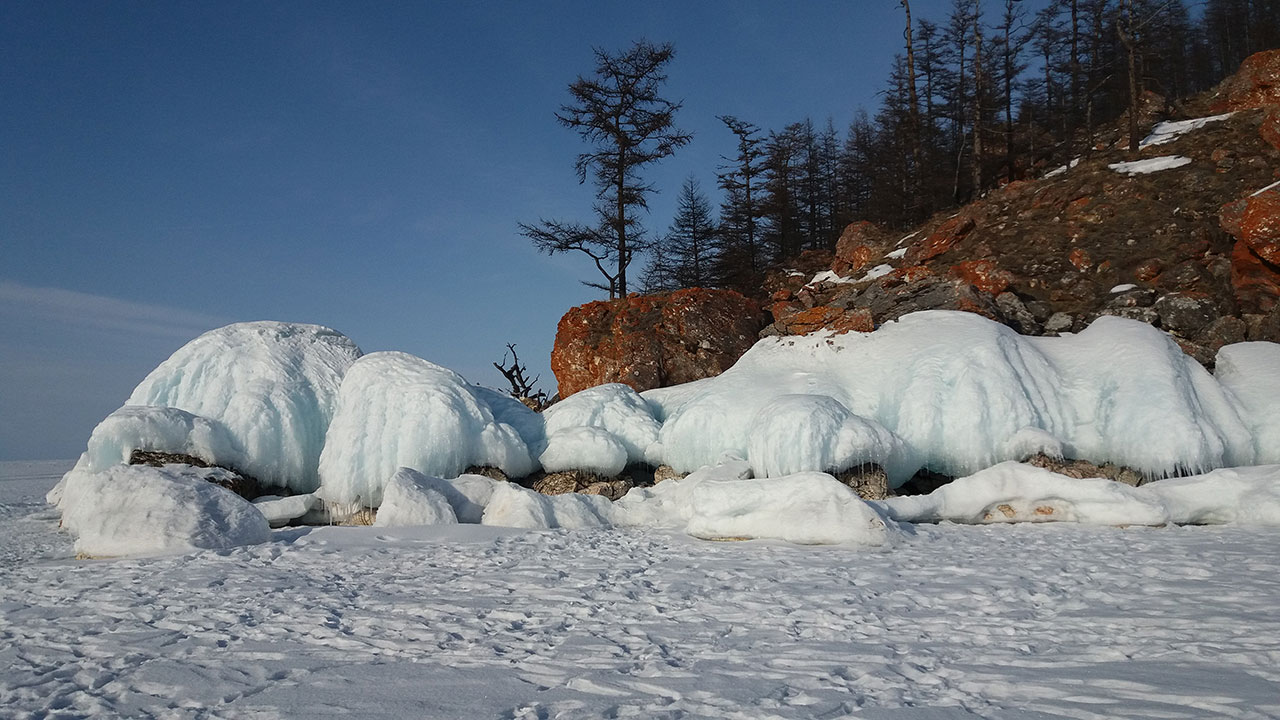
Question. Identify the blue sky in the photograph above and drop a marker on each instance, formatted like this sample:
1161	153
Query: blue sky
172	167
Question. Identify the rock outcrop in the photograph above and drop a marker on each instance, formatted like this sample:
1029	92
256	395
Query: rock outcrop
649	341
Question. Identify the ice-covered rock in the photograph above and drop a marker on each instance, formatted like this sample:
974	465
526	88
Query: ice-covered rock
271	385
514	506
963	393
1251	371
798	433
584	448
164	429
280	511
1239	496
614	408
137	509
409	499
1015	492
805	508
396	410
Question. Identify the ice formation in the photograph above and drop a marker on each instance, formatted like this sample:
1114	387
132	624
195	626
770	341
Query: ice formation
614	408
165	429
797	433
1251	371
408	499
963	393
1239	496
272	385
1014	492
136	509
395	410
280	511
514	506
584	448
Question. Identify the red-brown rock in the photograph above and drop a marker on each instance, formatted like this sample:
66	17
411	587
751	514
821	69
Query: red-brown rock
860	243
985	275
908	274
649	341
1270	130
824	317
1255	84
1256	283
941	239
1260	225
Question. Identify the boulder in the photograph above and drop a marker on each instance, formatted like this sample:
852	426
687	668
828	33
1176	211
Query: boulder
824	317
1186	313
1260	225
869	481
941	239
986	275
1081	469
1256	283
891	299
650	341
1256	84
859	244
237	482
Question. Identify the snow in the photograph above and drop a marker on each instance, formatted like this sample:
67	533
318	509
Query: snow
140	427
795	433
1169	131
878	271
395	410
1126	287
514	506
897	254
408	501
1272	186
960	392
830	276
136	509
584	448
1012	492
1062	170
1238	496
1251	371
271	385
1143	167
1000	622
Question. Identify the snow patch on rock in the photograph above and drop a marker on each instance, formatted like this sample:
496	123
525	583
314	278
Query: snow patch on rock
1143	167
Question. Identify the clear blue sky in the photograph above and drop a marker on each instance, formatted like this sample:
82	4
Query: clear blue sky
171	167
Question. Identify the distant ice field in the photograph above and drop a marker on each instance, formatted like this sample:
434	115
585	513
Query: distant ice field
1008	621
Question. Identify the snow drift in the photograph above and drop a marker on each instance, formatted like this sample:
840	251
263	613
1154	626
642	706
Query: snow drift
271	385
395	410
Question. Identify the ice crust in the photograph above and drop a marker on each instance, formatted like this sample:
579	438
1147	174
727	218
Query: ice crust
1251	371
395	410
271	385
136	510
963	393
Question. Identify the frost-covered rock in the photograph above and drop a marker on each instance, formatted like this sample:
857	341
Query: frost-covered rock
137	509
1239	496
164	429
613	408
409	499
396	410
963	393
514	506
1016	492
1251	371
271	385
805	508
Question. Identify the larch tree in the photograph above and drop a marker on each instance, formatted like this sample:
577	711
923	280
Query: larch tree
620	112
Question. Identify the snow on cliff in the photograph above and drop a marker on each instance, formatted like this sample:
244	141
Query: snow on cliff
271	385
396	410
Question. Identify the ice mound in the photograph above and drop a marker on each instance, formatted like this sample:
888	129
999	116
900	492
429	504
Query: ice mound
613	408
1251	371
1239	496
395	410
514	506
805	508
961	393
1015	492
136	509
796	433
584	448
272	385
408	499
668	503
164	429
280	511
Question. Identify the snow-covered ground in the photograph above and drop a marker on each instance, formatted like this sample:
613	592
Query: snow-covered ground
950	621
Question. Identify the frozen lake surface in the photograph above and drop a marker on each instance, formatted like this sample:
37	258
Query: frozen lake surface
1016	621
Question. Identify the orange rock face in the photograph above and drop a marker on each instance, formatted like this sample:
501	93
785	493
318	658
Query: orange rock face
1270	130
823	317
860	243
649	341
941	240
1260	225
985	275
1256	283
1256	84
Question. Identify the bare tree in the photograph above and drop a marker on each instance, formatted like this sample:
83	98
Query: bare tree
522	388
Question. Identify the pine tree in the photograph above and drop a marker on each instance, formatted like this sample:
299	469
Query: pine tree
741	258
629	125
688	253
